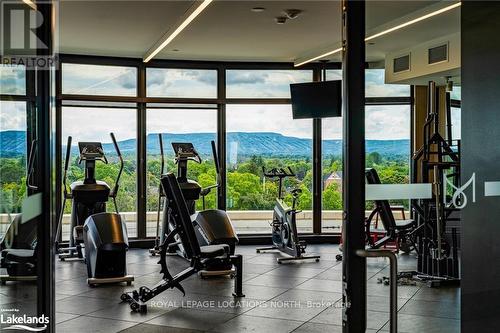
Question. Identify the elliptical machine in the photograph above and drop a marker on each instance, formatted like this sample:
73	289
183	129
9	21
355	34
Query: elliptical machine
212	226
103	235
284	225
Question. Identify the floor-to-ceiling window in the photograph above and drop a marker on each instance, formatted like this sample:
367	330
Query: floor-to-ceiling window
187	104
13	143
94	120
180	122
388	129
332	167
261	133
387	121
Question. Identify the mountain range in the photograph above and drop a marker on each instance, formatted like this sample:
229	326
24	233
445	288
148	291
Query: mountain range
13	143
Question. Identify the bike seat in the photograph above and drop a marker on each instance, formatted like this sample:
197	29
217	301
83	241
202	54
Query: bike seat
404	224
296	192
212	251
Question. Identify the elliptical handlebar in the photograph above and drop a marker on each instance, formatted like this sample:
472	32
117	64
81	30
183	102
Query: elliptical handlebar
114	192
216	157
162	168
206	190
31	163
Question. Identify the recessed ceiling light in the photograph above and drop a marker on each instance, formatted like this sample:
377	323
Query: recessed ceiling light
258	9
280	19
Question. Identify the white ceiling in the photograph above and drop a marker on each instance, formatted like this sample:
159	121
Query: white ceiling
230	31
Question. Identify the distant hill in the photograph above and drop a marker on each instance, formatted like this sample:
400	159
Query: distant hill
12	143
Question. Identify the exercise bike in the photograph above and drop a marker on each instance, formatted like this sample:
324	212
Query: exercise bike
284	225
102	235
212	226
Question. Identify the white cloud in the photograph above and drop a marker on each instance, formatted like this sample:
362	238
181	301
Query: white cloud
12	116
267	118
181	83
92	124
384	122
99	80
262	83
181	121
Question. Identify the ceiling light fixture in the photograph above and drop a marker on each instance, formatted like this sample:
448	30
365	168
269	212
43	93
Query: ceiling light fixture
418	19
318	57
30	3
190	15
397	27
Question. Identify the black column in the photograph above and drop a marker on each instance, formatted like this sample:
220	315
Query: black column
317	167
221	136
353	183
480	155
141	154
45	259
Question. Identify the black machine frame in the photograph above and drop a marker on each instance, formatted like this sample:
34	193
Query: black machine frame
140	101
199	257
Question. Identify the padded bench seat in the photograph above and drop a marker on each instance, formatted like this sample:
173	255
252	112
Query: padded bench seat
212	251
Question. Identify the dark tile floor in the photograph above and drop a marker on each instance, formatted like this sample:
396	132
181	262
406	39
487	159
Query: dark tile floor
298	297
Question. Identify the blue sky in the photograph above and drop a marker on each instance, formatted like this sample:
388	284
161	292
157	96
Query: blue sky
382	122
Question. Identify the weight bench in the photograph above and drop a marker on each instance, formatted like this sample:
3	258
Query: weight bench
394	230
199	257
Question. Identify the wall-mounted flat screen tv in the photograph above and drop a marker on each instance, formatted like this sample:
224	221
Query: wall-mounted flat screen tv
316	99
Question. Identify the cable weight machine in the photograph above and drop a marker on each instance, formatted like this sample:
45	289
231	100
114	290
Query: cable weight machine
437	162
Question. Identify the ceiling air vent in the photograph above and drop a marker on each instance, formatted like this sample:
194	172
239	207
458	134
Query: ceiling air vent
401	64
438	54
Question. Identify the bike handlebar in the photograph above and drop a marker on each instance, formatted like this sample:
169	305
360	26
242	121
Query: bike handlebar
278	173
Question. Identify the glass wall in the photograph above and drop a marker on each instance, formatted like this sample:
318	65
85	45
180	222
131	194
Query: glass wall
388	132
266	136
260	132
332	167
13	156
95	124
387	144
179	124
91	120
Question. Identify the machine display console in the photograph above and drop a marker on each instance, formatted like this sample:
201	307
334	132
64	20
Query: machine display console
91	150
